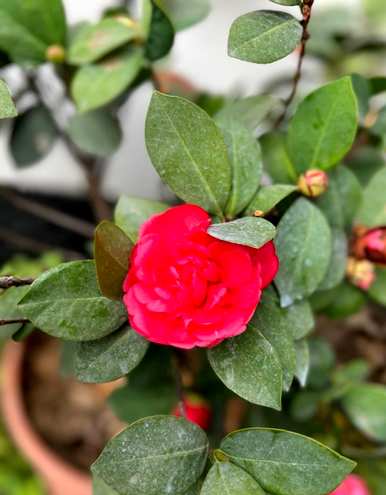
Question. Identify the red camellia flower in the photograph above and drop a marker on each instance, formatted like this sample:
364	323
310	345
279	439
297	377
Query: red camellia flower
371	244
197	411
352	485
185	288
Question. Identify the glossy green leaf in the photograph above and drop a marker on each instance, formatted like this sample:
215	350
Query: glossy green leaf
365	163
159	455
248	231
300	319
130	213
161	34
7	107
184	14
249	366
9	300
97	133
96	85
33	134
267	197
377	291
97	40
304	405
65	302
324	126
286	463
344	300
111	251
362	91
372	213
99	487
338	262
275	158
109	358
322	361
250	111
303	243
264	36
188	152
342	199
224	478
365	405
245	158
302	361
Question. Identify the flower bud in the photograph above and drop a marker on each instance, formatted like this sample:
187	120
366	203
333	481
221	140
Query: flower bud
371	245
197	410
352	485
313	183
55	54
361	273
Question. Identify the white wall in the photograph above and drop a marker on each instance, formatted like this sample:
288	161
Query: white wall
200	55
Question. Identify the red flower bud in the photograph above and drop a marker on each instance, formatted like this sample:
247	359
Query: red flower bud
352	485
55	54
371	245
361	273
197	411
313	183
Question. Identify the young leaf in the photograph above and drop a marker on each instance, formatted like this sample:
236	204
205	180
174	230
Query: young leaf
184	14
188	152
302	361
9	300
130	213
159	455
111	250
224	478
303	243
65	302
338	262
268	197
248	231
264	36
249	366
365	405
245	158
324	126
377	291
95	41
109	358
286	463
33	134
161	35
275	158
96	85
373	210
7	107
97	133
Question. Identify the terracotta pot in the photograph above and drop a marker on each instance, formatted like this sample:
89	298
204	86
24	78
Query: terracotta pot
60	477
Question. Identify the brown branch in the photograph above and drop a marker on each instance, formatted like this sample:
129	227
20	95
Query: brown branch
306	9
10	281
10	322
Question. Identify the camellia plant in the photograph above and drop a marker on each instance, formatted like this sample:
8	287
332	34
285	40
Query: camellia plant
207	305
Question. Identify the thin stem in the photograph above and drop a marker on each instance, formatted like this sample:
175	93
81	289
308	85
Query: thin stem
306	9
10	281
10	322
179	383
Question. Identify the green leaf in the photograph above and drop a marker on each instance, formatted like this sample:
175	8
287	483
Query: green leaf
250	111
302	361
9	300
7	107
354	371
248	231
65	302
286	463
303	243
224	478
264	36
377	291
96	85
249	366
184	14
109	358
268	197
300	319
324	126
362	91
27	29
111	250
159	455
372	213
161	35
286	2
245	158
275	158
365	163
33	135
338	262
130	213
322	361
99	487
344	300
365	405
97	40
97	133
379	128
188	152
342	199
374	472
